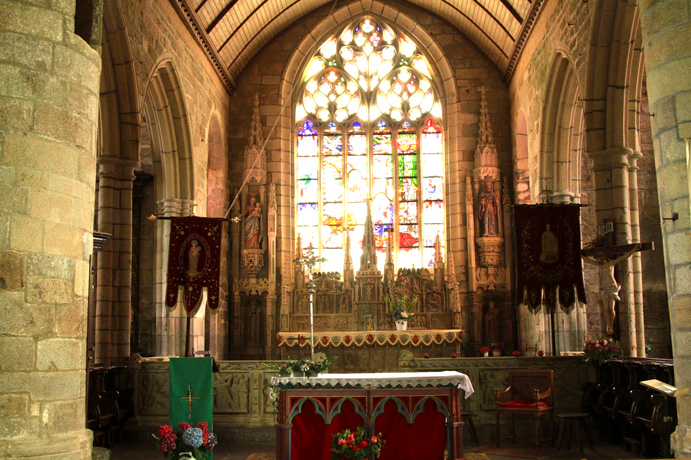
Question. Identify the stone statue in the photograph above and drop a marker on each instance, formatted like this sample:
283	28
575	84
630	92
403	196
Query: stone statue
609	288
492	324
488	210
550	247
253	223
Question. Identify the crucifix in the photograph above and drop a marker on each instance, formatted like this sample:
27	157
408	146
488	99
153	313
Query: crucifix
310	260
606	257
190	398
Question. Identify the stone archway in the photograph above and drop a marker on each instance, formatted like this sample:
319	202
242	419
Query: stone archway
166	121
117	157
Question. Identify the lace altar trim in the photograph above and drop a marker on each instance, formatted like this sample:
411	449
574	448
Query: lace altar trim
380	380
372	338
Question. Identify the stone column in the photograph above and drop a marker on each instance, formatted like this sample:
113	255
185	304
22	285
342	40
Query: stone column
114	275
666	26
611	169
636	257
49	84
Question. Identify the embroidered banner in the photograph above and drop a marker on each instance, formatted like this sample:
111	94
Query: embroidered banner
548	245
194	261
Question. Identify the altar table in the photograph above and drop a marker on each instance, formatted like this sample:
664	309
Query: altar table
417	413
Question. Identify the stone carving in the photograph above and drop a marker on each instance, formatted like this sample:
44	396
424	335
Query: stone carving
253	261
492	324
231	393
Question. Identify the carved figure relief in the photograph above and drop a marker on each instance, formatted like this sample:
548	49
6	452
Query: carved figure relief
232	393
153	400
492	324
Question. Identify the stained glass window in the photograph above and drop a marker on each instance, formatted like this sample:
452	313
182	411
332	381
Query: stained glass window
369	130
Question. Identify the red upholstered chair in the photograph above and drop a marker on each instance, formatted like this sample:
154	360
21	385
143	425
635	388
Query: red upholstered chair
530	394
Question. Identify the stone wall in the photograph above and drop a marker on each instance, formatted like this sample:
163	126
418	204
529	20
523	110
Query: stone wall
49	80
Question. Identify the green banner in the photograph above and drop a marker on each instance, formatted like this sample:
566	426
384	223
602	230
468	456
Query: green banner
191	392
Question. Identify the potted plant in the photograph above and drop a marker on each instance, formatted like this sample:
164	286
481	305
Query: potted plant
188	443
399	303
347	445
484	351
498	348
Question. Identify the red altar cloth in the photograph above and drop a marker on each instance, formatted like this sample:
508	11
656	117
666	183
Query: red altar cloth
417	413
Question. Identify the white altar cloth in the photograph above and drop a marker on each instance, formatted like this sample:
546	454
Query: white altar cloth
383	380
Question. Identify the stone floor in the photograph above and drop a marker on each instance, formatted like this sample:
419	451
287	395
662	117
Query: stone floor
508	451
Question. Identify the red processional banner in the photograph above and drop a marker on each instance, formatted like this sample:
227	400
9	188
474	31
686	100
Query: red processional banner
194	261
548	256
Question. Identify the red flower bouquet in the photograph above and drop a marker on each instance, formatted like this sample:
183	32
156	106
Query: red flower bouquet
600	350
484	350
540	353
516	353
347	445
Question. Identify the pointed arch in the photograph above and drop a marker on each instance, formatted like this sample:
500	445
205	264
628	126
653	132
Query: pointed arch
166	116
119	101
117	156
562	134
444	76
613	74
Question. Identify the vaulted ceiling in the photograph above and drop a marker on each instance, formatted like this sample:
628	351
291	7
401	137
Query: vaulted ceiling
233	31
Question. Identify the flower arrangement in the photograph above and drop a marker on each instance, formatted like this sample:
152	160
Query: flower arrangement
426	355
399	303
302	367
453	354
484	350
189	442
516	353
600	350
306	367
347	445
540	353
499	346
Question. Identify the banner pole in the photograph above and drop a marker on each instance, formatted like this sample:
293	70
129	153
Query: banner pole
187	337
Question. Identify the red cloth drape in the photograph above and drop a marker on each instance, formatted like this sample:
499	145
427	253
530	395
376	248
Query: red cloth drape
311	437
194	261
425	438
548	256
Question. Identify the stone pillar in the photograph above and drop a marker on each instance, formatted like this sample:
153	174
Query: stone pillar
49	84
612	191
665	27
114	275
636	257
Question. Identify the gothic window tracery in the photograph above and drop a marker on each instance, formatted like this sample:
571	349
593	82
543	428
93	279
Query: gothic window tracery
369	129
